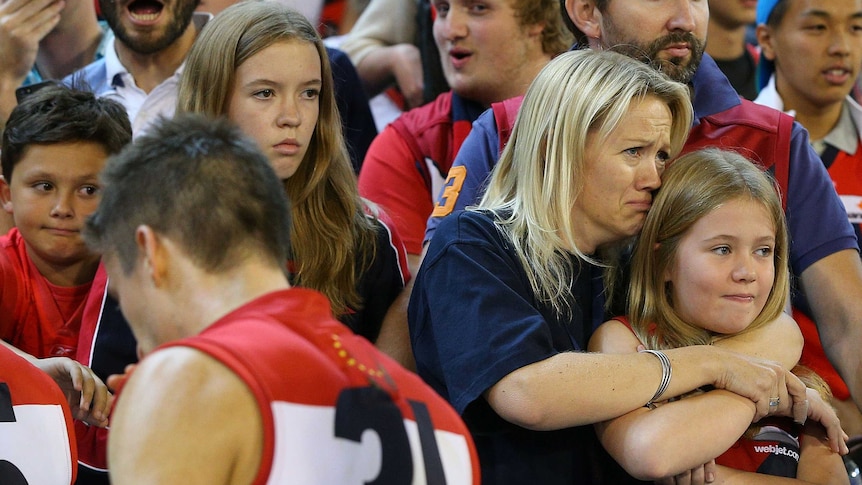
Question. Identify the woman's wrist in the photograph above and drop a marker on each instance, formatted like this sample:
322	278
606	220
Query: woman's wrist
695	366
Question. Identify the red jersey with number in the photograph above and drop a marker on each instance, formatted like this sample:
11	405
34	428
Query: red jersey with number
406	164
320	391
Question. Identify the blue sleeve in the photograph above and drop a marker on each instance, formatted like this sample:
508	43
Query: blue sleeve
817	221
472	315
478	155
356	118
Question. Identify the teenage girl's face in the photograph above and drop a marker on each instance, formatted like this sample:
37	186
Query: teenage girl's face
725	267
275	100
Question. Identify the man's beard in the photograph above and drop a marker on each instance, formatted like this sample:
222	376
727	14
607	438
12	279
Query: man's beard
182	16
677	68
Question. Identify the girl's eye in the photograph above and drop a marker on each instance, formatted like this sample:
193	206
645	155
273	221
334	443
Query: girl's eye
263	93
765	252
42	186
311	93
721	250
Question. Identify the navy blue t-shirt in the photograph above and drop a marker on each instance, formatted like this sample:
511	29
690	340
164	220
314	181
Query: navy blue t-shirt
473	320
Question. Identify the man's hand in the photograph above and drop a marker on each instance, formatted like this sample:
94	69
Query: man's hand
23	23
407	71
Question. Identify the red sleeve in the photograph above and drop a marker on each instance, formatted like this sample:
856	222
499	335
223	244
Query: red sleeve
391	178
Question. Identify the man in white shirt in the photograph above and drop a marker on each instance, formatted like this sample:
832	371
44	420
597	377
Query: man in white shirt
150	46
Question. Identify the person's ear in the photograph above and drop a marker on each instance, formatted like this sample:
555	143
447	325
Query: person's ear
5	195
535	30
765	40
586	17
151	252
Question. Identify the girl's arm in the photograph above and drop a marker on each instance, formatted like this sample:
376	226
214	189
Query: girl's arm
657	443
676	436
651	444
779	340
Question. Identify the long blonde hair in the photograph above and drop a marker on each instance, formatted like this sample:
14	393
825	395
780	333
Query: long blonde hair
329	227
579	95
693	186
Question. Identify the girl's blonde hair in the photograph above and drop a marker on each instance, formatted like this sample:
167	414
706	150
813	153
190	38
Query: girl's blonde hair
693	186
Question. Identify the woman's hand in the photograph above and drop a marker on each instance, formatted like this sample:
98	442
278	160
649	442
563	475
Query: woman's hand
773	389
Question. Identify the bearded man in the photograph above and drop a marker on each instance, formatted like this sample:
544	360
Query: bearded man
142	68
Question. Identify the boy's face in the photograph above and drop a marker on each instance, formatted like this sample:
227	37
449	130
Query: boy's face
485	52
52	190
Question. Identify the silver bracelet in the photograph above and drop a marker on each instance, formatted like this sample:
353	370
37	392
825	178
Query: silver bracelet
666	372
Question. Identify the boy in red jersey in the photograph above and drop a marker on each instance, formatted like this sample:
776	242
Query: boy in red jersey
53	148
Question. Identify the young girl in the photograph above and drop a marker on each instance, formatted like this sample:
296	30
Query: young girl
264	66
711	262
